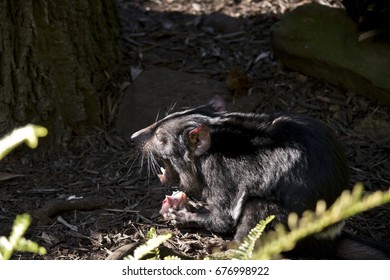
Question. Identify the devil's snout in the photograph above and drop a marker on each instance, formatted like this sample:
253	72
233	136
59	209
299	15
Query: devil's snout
141	136
134	137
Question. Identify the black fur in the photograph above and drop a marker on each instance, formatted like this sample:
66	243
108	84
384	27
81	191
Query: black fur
245	167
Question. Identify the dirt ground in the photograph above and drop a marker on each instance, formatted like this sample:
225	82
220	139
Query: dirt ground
88	197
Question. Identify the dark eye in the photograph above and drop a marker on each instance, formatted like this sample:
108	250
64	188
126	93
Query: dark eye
163	140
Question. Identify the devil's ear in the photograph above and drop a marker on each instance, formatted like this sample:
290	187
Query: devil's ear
217	103
200	139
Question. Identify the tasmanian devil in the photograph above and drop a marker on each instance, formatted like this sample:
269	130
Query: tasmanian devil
246	166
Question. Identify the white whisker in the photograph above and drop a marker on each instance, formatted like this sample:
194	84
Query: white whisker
142	163
155	165
132	164
148	167
170	108
158	115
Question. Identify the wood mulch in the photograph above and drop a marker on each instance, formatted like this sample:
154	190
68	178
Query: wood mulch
89	199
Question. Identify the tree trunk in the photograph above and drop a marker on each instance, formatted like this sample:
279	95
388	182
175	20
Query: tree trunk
54	58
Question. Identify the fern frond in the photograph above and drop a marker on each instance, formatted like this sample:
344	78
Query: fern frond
347	205
172	258
28	134
16	241
245	250
152	233
155	252
150	247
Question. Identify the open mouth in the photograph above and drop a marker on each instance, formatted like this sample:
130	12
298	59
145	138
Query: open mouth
168	176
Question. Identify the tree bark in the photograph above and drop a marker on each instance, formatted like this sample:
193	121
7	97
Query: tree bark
54	58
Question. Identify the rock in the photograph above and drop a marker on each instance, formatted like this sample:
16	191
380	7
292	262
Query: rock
323	42
156	90
374	128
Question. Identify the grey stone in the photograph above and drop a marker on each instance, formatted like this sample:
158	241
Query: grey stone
323	42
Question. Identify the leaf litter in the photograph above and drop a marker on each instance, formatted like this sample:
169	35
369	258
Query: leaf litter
118	202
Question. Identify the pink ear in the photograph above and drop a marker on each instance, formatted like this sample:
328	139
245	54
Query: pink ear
200	138
217	103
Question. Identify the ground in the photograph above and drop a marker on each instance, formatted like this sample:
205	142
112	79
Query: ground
113	203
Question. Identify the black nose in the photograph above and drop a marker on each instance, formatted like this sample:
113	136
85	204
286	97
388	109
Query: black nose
134	138
141	136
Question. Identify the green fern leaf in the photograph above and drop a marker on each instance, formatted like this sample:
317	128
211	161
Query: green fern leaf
149	247
347	205
245	251
16	241
172	258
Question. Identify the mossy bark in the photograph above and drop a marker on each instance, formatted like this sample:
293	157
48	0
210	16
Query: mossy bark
54	55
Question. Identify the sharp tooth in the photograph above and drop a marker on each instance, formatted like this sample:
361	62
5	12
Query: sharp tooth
162	170
162	178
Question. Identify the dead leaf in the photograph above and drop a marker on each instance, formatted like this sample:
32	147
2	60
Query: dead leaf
9	176
47	238
238	82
